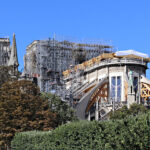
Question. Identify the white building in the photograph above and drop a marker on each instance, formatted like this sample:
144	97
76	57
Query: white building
108	82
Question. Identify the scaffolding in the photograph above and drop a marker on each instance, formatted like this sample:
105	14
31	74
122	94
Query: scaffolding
47	59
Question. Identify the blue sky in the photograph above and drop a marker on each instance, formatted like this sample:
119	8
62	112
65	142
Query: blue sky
125	22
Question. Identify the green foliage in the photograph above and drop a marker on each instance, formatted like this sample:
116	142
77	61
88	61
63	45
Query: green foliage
129	133
22	109
63	111
136	109
124	112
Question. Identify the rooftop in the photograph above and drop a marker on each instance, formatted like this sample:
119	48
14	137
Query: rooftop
4	40
120	57
131	52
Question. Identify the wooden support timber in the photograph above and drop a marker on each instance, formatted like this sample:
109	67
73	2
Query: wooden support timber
101	92
145	91
126	90
89	88
101	57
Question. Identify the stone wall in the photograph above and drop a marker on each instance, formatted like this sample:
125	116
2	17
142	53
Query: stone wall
4	51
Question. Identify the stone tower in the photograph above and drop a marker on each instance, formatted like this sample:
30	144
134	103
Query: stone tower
13	61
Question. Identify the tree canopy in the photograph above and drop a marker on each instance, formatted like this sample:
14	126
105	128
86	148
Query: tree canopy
63	111
6	73
22	109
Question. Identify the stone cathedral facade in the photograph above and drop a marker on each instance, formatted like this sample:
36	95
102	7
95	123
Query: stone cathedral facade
8	53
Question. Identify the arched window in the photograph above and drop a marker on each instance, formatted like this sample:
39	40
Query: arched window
116	88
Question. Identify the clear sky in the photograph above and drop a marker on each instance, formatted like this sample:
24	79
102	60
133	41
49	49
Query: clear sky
125	22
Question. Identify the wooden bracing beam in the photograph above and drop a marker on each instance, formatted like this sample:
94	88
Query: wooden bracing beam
89	88
126	90
100	92
145	91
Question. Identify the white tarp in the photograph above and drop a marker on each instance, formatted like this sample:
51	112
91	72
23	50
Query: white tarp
129	52
144	79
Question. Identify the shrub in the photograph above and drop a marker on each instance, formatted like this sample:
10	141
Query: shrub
129	133
124	112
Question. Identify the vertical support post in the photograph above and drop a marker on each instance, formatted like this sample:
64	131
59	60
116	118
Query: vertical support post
88	77
107	71
125	81
97	75
89	116
139	88
113	100
131	93
108	86
96	111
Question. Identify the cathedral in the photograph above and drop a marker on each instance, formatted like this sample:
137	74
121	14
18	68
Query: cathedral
8	53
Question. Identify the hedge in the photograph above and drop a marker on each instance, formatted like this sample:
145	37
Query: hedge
130	133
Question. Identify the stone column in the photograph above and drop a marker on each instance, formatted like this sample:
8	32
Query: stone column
131	93
139	88
131	99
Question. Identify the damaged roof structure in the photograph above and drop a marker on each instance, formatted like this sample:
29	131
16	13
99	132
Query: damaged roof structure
107	82
45	60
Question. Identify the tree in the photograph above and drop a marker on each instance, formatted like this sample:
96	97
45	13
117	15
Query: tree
124	112
63	111
22	109
6	73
